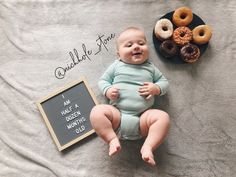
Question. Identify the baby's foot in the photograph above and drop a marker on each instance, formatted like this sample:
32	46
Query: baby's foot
147	155
114	146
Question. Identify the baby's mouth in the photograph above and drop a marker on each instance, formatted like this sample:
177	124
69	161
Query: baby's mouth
137	53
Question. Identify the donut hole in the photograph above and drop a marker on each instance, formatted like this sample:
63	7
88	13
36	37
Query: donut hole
183	15
201	33
164	28
189	50
182	34
169	46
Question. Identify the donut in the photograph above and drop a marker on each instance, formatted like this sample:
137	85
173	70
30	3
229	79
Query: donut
202	34
182	35
168	48
190	53
182	16
163	29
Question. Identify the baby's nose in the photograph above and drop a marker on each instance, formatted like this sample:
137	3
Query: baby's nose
136	47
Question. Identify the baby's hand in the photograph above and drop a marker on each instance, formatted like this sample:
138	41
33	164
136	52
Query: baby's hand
112	93
149	89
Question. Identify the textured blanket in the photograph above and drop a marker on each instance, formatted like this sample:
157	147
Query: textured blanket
39	38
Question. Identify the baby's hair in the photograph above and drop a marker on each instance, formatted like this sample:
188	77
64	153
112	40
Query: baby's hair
131	28
127	29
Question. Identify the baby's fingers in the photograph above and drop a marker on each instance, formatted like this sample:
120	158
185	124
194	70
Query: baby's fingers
148	97
115	95
146	83
143	89
144	93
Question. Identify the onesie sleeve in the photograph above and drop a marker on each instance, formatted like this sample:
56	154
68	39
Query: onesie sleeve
160	80
106	80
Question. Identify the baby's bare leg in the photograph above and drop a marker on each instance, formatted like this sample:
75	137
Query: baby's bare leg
154	125
105	119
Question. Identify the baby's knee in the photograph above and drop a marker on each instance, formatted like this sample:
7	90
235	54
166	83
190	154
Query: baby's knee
166	118
97	111
162	116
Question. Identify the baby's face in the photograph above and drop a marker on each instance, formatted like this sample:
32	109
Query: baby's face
132	47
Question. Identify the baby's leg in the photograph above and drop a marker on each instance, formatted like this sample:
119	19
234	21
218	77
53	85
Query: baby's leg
105	119
154	124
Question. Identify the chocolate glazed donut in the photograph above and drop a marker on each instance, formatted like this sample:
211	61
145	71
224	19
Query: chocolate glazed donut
190	53
168	48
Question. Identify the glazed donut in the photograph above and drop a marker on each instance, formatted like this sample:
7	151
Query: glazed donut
182	16
190	53
163	29
168	48
202	34
182	35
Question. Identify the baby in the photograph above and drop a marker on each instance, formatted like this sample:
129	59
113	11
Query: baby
130	84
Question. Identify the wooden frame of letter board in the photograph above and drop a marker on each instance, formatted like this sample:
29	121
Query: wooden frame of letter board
61	90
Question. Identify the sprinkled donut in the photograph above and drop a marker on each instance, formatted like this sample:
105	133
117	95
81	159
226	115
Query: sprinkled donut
182	35
182	16
163	29
202	34
190	53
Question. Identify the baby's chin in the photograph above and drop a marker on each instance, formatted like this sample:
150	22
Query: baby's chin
138	60
134	60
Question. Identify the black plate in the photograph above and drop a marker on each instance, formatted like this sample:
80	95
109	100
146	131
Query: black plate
195	22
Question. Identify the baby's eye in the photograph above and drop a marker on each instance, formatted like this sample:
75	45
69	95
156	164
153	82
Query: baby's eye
141	43
128	45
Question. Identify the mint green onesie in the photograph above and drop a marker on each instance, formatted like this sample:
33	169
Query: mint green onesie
127	78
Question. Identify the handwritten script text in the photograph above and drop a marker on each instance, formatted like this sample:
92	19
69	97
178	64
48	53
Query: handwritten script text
86	54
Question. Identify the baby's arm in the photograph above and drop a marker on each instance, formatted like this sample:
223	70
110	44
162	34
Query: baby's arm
106	81
158	87
160	80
